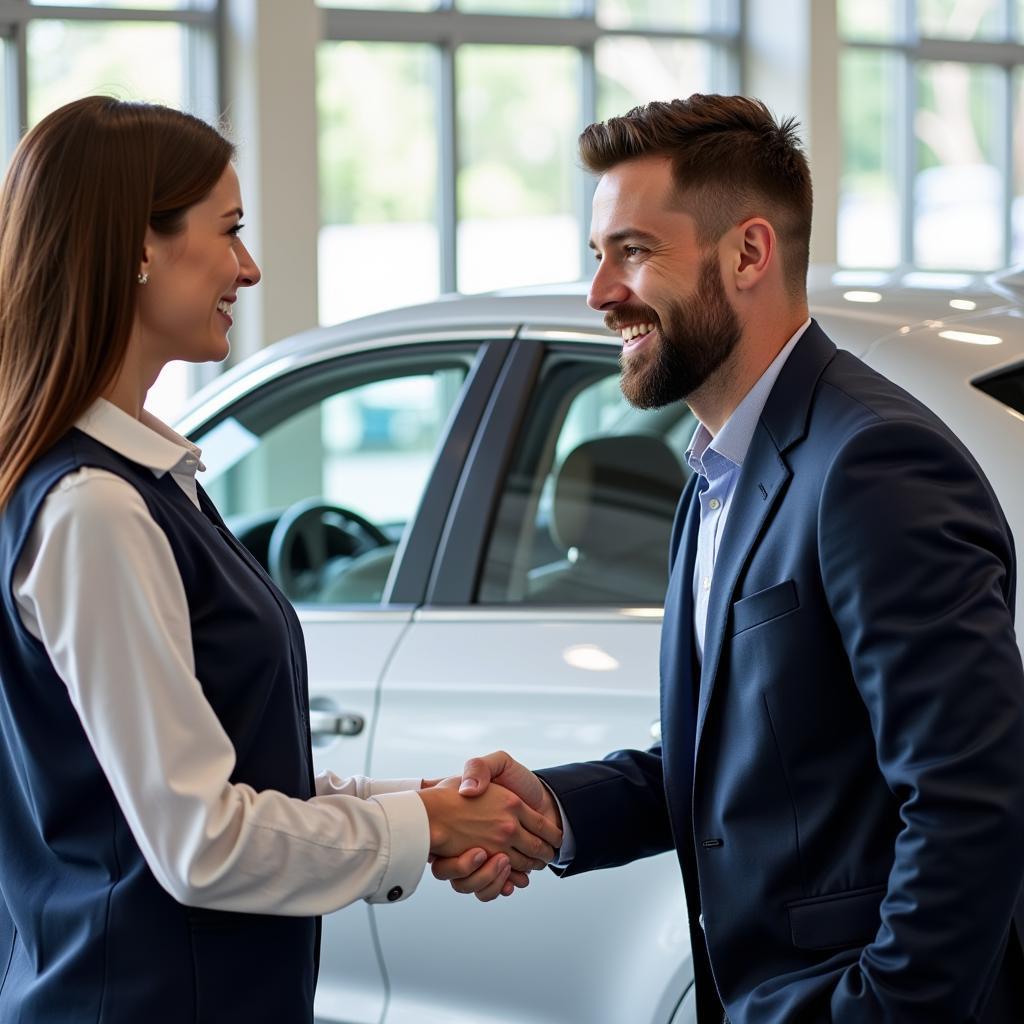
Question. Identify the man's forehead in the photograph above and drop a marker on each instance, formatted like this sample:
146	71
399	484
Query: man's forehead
638	196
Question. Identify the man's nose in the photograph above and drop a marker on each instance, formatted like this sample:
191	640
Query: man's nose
606	289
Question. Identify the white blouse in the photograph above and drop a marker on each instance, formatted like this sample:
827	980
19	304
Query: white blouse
98	585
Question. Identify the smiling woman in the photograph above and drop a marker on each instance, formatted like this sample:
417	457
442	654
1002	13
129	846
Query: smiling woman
180	840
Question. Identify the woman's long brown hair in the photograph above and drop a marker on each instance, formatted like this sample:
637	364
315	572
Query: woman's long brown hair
81	189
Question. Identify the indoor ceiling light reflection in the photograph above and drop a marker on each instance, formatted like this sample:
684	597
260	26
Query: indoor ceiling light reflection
963	304
971	338
862	296
590	658
643	613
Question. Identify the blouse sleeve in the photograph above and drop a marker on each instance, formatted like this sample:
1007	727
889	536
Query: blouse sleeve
98	585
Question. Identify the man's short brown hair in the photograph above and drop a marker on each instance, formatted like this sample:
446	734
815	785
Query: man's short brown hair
731	160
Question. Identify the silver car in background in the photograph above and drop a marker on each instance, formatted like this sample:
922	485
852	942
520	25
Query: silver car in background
472	524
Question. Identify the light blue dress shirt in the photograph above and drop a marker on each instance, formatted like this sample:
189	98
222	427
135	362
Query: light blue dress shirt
717	462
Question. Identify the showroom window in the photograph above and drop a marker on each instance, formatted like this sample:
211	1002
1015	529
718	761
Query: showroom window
163	51
932	109
447	134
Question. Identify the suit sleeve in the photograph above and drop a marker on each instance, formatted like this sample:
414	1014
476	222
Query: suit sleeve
616	808
918	567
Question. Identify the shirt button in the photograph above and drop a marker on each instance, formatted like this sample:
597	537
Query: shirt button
706	583
394	894
715	503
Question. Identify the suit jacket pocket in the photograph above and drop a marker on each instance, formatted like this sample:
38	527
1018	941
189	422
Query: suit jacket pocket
764	605
841	919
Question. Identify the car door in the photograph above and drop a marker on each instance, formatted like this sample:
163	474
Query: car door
540	635
337	474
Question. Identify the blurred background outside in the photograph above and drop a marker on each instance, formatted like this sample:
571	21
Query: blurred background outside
452	166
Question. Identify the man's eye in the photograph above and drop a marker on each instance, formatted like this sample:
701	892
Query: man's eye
597	256
633	250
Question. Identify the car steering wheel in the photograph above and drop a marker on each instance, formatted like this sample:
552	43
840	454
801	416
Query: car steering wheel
306	524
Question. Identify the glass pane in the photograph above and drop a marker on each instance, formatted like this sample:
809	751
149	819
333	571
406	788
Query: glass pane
4	104
130	60
149	5
1017	208
378	177
341	468
518	111
870	19
960	19
869	210
555	8
382	5
586	519
688	15
632	70
958	205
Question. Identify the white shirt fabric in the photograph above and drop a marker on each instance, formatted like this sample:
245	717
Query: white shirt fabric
723	455
98	585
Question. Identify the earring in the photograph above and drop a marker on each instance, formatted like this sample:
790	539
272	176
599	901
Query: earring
143	278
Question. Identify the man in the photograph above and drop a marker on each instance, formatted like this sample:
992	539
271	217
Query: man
842	769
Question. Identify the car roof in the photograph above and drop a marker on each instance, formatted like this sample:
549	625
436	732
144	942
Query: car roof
860	310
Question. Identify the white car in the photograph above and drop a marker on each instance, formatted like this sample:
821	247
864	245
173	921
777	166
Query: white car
473	525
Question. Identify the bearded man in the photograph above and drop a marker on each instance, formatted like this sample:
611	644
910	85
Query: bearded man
842	764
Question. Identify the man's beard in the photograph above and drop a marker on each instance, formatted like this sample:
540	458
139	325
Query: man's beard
695	338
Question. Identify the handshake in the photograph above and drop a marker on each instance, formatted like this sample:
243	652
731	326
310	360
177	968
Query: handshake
490	827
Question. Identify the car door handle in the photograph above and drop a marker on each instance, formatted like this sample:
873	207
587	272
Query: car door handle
329	723
656	729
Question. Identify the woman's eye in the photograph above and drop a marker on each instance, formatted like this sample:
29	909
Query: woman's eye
235	229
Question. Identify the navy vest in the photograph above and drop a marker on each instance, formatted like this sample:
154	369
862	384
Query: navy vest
86	932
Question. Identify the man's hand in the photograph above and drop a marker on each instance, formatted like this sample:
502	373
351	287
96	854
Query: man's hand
488	878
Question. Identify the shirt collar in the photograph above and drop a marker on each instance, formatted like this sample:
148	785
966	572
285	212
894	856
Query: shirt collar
733	441
146	441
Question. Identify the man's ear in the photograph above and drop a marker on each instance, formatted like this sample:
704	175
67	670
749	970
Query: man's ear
756	251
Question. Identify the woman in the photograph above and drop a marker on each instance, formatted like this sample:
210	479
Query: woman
164	845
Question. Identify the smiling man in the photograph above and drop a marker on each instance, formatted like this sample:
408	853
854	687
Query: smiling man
842	765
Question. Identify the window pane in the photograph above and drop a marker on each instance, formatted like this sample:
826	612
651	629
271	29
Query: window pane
959	19
518	122
632	70
340	465
4	106
67	60
382	5
869	211
153	5
689	15
1017	209
587	506
870	19
958	220
378	244
556	8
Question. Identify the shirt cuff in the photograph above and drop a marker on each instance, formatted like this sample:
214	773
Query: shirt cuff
408	845
565	854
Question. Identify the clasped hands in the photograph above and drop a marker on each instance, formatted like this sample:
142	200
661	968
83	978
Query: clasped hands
491	826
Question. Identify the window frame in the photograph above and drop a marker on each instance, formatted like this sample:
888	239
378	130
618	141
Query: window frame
910	50
447	28
203	60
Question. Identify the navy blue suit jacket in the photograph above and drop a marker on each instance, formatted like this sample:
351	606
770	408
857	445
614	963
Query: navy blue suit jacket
843	777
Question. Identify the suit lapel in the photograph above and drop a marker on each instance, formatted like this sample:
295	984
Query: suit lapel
758	490
679	680
762	482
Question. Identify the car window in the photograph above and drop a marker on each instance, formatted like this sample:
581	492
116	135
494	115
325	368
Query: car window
320	475
588	502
